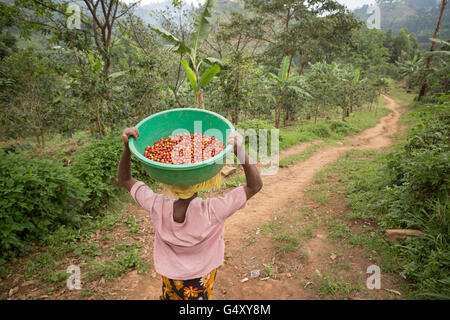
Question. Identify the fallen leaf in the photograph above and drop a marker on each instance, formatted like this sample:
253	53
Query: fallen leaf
393	291
13	291
27	283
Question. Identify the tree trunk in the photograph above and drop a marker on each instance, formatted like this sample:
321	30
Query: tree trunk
235	115
433	45
36	134
100	126
42	136
200	101
278	114
302	67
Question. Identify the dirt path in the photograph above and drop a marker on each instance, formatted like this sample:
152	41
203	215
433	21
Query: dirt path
282	191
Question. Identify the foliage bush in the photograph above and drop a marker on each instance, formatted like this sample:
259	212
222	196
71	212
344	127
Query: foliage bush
341	128
36	196
321	130
96	167
418	197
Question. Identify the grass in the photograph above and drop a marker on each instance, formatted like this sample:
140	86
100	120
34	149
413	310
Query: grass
235	181
271	226
127	257
88	251
338	230
47	263
298	157
331	284
401	96
269	270
286	232
286	242
355	173
57	147
319	193
133	225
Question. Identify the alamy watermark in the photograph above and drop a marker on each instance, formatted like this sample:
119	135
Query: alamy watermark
74	20
374	280
374	21
74	280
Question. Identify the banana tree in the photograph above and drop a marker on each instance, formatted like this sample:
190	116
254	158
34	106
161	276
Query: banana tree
284	83
410	70
201	28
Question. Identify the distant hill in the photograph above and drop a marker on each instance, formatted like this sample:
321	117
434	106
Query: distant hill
418	16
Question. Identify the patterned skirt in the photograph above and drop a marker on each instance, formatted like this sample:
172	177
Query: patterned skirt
193	289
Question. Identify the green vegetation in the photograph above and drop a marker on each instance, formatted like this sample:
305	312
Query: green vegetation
309	68
37	196
41	195
404	189
287	232
298	157
126	256
331	284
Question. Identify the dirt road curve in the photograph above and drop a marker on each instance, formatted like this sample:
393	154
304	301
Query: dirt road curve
280	191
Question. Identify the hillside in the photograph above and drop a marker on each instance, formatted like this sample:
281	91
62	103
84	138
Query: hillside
418	16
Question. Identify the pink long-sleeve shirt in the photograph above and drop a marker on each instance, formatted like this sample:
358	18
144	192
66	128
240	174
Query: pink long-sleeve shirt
191	249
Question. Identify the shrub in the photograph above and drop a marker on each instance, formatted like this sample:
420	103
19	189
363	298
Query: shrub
416	196
341	128
321	130
36	196
96	166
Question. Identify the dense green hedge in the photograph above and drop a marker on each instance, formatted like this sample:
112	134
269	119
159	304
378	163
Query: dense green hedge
417	196
97	166
37	196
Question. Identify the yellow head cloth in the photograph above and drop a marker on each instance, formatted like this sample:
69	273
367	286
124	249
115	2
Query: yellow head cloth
185	192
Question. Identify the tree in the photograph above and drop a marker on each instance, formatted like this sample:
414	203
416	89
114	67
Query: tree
50	17
26	87
410	70
306	31
104	15
323	85
7	39
283	84
192	68
433	45
368	52
238	83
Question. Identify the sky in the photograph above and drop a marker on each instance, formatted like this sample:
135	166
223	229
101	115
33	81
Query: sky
351	4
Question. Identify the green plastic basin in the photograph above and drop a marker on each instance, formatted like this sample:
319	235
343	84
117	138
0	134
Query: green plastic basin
171	122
